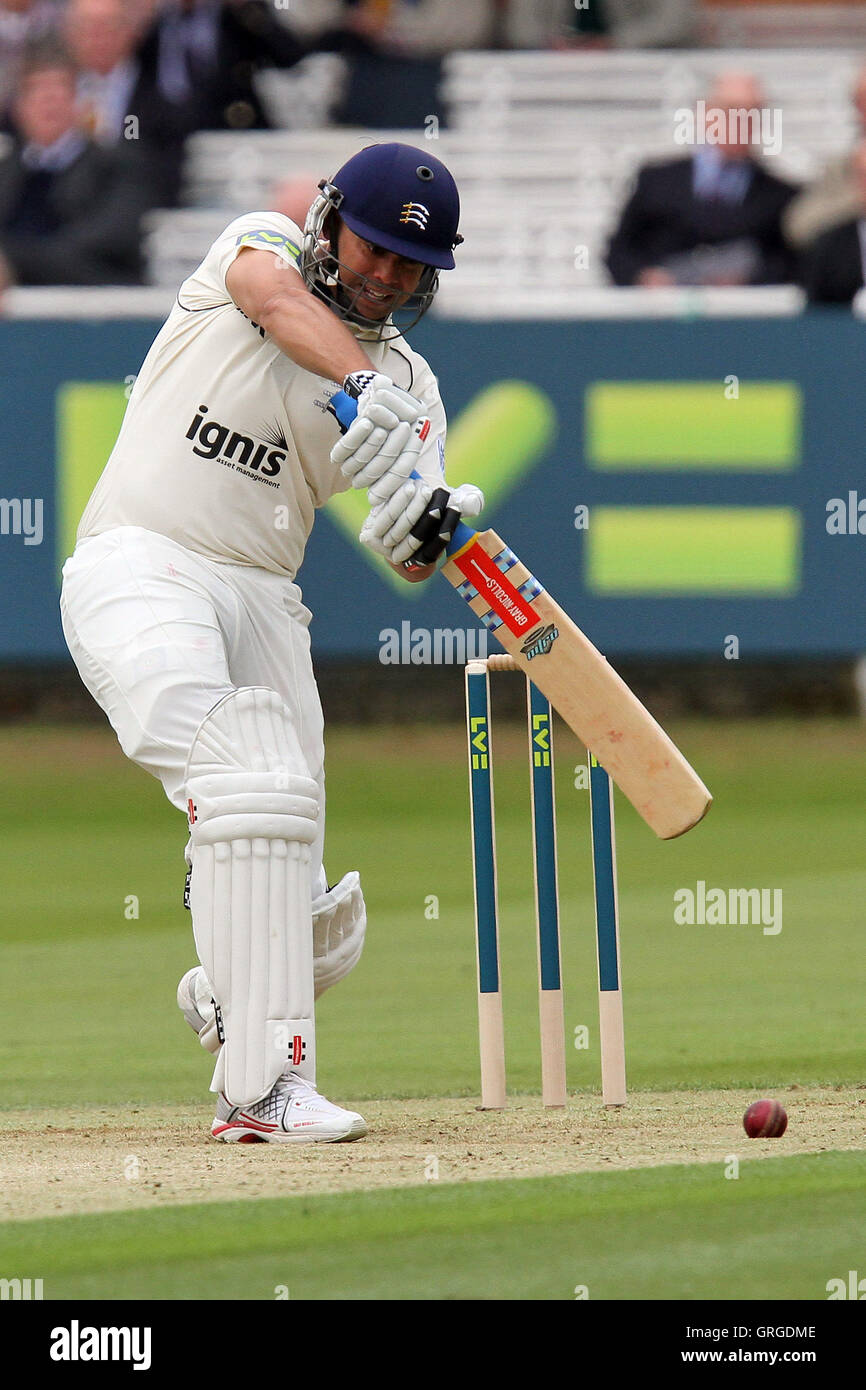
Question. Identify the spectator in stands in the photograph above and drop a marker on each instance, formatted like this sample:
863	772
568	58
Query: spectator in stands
101	36
833	266
69	210
627	23
22	24
394	51
117	106
835	196
202	56
713	218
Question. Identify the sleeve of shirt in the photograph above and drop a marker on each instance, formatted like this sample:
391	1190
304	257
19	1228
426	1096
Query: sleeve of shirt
265	231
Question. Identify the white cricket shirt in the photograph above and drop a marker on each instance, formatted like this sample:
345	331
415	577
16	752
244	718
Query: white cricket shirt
225	444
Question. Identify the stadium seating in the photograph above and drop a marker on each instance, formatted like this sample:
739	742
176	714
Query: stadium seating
543	147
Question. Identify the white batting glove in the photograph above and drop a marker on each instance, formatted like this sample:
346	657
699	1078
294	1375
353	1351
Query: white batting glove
401	470
374	391
467	499
379	433
387	528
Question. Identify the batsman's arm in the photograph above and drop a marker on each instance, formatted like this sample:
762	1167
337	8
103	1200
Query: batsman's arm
272	294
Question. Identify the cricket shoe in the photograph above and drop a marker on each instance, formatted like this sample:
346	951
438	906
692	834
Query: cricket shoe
292	1112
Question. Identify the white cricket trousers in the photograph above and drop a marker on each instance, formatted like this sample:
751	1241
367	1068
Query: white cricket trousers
160	634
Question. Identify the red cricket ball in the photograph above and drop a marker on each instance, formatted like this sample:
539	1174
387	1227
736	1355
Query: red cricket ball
766	1119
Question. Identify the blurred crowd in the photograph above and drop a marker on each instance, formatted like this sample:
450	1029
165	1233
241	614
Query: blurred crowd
97	99
718	216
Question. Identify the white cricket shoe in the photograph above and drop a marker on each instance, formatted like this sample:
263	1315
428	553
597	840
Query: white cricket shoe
292	1112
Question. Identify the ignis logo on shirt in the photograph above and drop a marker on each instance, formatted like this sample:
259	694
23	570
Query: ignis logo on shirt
243	451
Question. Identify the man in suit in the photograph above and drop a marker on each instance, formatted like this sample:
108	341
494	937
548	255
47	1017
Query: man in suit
833	266
714	217
393	51
201	57
69	212
116	107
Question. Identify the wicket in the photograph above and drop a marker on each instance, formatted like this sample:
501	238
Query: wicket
550	1004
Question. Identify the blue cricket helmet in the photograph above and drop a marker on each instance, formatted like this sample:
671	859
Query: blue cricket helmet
401	198
398	197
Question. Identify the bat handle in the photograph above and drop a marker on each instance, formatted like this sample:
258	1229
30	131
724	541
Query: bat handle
463	534
344	408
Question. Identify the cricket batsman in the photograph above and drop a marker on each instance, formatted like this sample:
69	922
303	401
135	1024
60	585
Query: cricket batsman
181	609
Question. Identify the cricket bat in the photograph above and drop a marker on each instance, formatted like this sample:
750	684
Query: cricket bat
588	694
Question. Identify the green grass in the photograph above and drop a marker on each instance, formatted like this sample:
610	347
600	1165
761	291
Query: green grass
87	999
88	994
780	1231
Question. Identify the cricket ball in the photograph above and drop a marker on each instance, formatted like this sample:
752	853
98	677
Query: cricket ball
766	1119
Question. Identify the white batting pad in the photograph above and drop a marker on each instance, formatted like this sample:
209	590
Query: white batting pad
339	925
253	810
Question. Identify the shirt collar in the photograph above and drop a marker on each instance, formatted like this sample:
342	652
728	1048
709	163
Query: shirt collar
714	175
120	75
54	158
